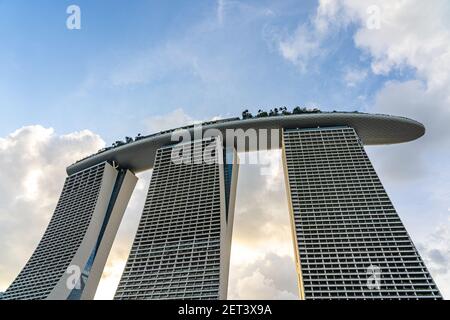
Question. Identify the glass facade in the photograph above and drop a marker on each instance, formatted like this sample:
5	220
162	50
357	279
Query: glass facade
79	235
350	241
182	244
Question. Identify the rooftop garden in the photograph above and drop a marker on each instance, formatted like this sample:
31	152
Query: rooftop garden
282	111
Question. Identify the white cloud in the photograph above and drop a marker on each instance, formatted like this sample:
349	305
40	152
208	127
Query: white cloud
262	218
436	253
269	277
262	257
412	34
353	77
174	119
33	159
301	47
413	99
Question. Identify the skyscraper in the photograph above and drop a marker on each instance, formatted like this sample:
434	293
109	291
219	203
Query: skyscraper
182	245
350	241
78	238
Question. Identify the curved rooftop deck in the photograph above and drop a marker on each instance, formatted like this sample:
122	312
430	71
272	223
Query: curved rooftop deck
373	129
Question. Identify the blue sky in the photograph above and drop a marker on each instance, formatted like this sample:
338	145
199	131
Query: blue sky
190	57
139	66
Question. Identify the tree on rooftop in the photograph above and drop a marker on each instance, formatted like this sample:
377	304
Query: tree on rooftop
262	114
246	114
284	111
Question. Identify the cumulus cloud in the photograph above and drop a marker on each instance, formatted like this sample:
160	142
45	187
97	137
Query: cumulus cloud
262	213
301	47
411	34
174	119
33	159
352	77
268	277
413	99
436	253
262	254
